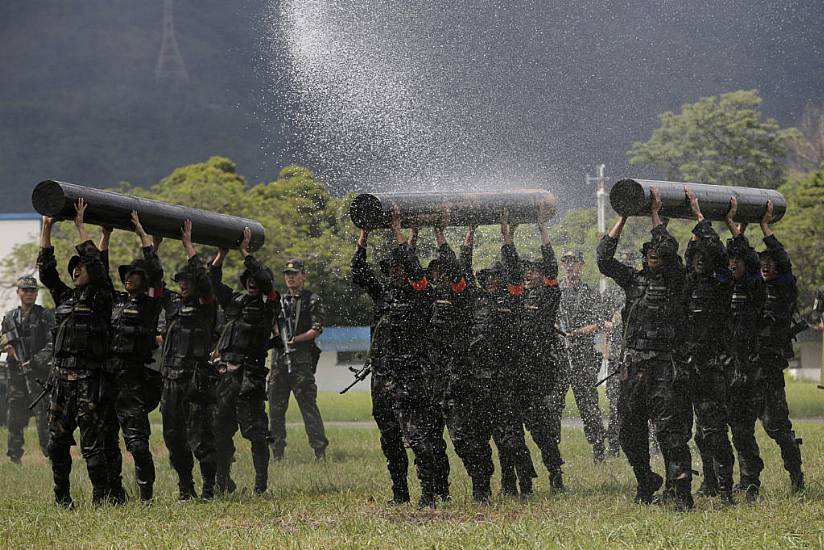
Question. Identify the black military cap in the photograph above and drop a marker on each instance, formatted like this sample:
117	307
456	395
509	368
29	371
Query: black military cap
295	265
74	261
572	254
183	272
27	281
138	265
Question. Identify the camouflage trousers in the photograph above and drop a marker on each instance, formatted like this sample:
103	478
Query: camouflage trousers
19	398
391	438
132	395
187	427
578	369
707	392
533	398
76	404
419	417
764	399
468	409
301	382
241	402
649	392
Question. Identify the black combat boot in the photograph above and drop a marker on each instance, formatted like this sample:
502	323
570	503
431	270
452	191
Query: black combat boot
508	482
683	495
223	476
100	480
797	480
556	482
144	472
725	486
428	495
708	488
481	490
185	485
525	484
400	488
260	459
442	488
749	485
648	482
598	453
62	493
208	471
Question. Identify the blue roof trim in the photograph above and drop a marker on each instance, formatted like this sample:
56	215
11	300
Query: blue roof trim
344	339
20	216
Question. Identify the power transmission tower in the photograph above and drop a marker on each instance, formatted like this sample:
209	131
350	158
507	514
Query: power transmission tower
170	66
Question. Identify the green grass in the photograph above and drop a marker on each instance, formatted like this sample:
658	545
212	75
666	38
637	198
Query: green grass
340	503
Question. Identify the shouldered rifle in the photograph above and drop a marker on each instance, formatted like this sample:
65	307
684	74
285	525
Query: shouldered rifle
47	388
12	338
360	375
286	334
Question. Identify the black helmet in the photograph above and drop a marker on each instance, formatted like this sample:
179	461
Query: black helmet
139	265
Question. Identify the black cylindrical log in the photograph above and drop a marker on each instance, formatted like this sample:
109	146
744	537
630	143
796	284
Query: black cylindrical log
57	199
373	211
631	197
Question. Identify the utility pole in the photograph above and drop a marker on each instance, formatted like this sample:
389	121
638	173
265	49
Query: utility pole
170	66
601	194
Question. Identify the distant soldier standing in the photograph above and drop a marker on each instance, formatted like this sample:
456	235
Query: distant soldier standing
245	339
580	316
27	341
188	400
81	345
295	361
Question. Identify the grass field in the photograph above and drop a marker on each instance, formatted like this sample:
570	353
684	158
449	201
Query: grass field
340	503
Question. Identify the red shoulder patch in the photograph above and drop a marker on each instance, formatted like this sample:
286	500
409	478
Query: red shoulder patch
515	290
550	282
420	284
460	286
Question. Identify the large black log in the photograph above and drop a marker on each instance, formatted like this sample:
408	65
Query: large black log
631	197
57	199
373	211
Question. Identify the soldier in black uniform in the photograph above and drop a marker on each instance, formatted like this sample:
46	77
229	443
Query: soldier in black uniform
134	388
649	388
27	341
382	385
581	315
81	345
775	333
539	362
246	337
294	362
406	356
706	301
497	346
188	401
741	335
467	391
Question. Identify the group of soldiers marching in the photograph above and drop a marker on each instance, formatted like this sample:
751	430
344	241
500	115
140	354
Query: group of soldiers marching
487	355
699	341
96	351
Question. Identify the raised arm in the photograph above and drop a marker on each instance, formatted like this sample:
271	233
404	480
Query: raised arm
607	264
222	292
550	263
47	263
513	270
362	274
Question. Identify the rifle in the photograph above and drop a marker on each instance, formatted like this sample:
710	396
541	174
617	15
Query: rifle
360	375
607	377
47	388
285	335
12	338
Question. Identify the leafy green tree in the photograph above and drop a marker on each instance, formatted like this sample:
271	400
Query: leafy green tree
802	231
722	140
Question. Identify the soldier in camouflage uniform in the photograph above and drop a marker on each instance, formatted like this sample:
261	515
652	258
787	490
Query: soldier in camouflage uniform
134	388
581	315
27	341
651	387
246	337
381	384
81	345
188	401
294	362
